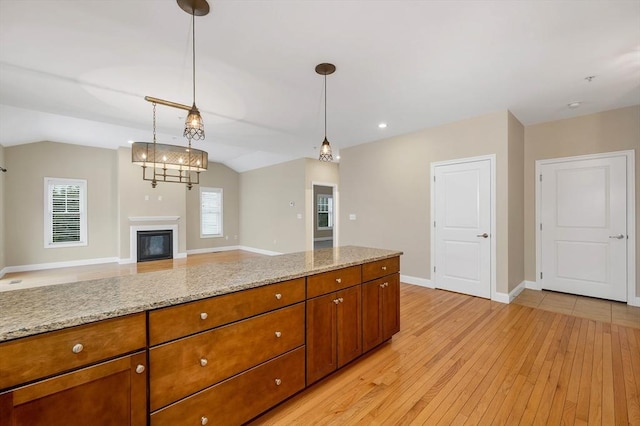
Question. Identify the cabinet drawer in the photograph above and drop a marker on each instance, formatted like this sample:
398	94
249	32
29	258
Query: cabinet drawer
331	281
380	268
240	398
180	368
190	318
34	357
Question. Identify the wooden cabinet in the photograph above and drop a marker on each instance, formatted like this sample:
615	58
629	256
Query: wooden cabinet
380	310
109	393
334	327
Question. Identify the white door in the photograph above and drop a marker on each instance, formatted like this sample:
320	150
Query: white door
583	215
463	227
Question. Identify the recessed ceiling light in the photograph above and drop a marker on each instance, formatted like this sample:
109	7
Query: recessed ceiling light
382	125
337	157
574	105
130	141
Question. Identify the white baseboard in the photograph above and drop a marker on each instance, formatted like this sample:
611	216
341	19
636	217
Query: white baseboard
2	272
533	285
508	298
213	249
634	302
55	265
259	251
422	282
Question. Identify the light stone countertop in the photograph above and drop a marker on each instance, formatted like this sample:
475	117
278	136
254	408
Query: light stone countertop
41	309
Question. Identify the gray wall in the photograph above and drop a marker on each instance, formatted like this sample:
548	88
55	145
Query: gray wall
516	201
608	131
217	176
386	184
2	226
24	200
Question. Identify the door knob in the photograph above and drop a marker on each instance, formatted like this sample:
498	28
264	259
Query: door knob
618	237
485	235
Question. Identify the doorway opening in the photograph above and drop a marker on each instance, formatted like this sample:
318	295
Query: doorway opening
324	216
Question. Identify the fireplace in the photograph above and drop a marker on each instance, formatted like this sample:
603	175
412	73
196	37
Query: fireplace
155	245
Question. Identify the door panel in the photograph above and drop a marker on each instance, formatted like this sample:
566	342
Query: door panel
349	324
463	227
583	211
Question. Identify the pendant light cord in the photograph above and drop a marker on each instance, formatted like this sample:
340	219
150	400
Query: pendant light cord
325	106
193	34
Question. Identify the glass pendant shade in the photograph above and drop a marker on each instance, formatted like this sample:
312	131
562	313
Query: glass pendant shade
325	151
193	125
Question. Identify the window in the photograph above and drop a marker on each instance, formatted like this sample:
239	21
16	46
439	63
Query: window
65	212
210	212
325	212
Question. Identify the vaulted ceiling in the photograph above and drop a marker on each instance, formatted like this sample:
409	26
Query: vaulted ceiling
77	71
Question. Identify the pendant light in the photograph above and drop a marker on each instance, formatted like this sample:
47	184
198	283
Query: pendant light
193	126
325	150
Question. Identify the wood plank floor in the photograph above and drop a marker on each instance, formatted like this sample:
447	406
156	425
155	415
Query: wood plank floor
468	361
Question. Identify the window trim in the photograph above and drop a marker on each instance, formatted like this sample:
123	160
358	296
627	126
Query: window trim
47	213
221	192
329	212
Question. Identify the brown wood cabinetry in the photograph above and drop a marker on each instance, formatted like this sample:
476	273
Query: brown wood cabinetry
334	324
380	310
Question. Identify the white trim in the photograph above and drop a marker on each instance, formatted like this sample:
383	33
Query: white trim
336	213
532	285
48	212
133	241
632	298
55	265
422	282
153	218
213	249
2	272
494	230
221	221
259	251
508	298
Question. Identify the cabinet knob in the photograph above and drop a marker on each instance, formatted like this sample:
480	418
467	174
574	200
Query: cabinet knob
77	348
278	382
203	315
203	362
384	268
140	369
278	296
204	420
278	334
338	280
382	285
340	299
386	284
336	301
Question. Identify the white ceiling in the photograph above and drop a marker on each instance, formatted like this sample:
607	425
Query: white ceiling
76	71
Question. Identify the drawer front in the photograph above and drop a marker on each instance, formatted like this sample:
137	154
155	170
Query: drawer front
240	398
380	268
190	318
331	281
188	365
34	357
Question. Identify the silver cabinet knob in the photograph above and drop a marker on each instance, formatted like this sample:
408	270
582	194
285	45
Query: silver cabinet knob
204	420
203	362
617	237
278	296
140	369
278	334
336	301
338	280
203	315
384	268
77	348
485	235
381	285
340	299
278	382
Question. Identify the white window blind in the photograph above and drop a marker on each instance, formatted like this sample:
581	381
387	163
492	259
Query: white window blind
65	212
210	212
325	212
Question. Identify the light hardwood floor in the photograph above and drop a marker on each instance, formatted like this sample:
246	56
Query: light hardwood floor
464	360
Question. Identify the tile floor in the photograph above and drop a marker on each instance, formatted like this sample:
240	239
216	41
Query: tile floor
579	306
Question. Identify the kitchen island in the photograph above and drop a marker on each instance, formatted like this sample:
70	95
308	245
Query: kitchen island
197	339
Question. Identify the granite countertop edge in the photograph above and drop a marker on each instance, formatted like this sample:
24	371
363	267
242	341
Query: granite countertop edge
22	324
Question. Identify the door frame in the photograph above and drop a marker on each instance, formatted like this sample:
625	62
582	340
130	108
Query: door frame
312	212
632	298
492	204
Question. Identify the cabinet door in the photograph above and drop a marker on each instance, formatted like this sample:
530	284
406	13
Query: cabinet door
321	337
372	314
391	307
111	393
349	324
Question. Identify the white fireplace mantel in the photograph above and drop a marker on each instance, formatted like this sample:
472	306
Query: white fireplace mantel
133	239
153	218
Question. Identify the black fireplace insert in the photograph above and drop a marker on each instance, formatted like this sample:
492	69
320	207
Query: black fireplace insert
155	245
